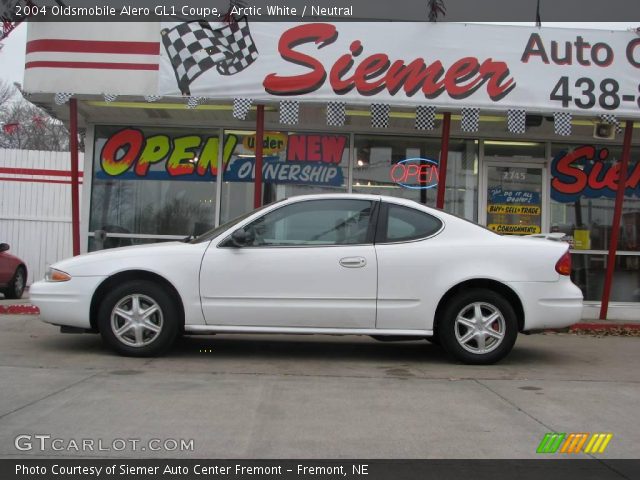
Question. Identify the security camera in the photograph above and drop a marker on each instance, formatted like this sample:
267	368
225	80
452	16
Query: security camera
604	131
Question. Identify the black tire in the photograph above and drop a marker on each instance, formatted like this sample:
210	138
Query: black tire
460	340
17	284
139	340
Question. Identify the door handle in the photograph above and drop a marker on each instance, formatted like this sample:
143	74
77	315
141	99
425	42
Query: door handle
353	262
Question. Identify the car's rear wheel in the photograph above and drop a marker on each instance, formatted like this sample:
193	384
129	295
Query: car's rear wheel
18	282
139	319
478	327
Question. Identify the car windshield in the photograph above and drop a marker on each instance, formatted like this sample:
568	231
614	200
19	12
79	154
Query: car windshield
213	233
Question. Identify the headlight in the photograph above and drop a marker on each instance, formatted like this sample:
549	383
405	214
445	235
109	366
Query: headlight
53	275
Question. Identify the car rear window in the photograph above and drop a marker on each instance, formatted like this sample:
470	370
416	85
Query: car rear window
405	224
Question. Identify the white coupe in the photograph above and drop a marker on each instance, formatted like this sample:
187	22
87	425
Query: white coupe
323	264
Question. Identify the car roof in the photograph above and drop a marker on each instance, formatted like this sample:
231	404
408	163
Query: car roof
363	196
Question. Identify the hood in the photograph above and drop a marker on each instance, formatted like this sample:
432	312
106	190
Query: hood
104	261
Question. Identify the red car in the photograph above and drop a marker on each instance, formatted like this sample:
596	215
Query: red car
13	274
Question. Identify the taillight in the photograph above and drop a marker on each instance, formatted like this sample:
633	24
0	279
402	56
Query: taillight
563	266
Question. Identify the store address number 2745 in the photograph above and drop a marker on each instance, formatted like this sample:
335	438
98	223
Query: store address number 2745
607	94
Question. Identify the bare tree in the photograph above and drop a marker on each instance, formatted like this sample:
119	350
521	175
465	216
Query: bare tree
27	127
7	91
435	9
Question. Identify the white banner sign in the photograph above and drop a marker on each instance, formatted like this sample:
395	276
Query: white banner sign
406	64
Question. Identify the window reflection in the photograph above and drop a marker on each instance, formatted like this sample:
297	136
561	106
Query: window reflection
588	219
375	156
294	164
153	201
588	272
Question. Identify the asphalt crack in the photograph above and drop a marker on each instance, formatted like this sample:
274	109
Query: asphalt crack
548	427
506	400
63	389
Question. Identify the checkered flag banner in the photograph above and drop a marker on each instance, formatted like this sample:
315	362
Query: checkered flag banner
516	120
193	102
195	47
611	120
470	119
425	117
289	112
562	123
109	97
380	115
241	107
336	114
61	98
152	98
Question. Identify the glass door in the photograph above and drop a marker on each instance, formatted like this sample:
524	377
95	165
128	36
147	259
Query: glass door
514	196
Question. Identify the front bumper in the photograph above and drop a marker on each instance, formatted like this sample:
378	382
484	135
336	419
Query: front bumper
65	303
549	304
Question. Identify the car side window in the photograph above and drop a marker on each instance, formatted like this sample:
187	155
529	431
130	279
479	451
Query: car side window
314	222
405	224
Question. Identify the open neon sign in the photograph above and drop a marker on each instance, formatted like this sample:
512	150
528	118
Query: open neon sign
415	173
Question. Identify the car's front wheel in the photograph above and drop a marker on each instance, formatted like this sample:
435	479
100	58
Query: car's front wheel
478	327
139	319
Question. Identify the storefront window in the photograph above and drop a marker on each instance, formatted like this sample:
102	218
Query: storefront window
513	150
387	165
514	198
582	197
514	173
583	189
589	270
152	181
102	241
293	164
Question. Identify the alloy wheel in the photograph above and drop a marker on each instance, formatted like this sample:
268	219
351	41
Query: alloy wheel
136	320
480	328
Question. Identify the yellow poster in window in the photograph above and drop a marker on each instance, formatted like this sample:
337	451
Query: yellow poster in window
513	209
514	229
581	240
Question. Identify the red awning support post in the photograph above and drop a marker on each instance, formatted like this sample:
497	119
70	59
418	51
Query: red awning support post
73	150
617	215
257	183
444	156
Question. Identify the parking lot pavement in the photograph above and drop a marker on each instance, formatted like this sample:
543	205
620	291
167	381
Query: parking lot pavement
259	396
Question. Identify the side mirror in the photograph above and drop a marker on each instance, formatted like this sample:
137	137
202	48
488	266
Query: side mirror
4	247
242	237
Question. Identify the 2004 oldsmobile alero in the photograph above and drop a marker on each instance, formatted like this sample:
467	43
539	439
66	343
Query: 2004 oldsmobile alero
327	264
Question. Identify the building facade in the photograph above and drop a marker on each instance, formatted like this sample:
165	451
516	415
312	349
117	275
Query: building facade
518	129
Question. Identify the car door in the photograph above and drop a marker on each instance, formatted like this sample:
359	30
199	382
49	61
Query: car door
309	264
7	267
407	247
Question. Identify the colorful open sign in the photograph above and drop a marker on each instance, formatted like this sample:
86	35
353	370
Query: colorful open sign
415	173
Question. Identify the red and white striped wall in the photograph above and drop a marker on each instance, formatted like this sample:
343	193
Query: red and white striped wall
116	58
35	206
